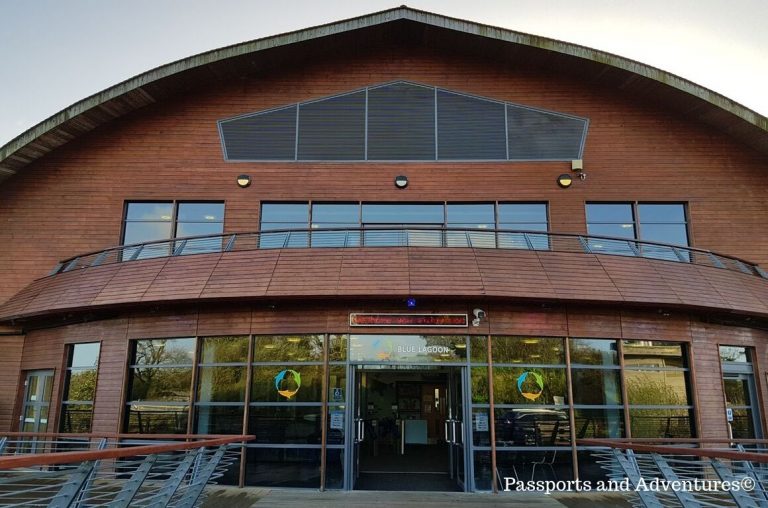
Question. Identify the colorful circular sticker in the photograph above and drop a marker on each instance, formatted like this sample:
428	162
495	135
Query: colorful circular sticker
290	386
537	379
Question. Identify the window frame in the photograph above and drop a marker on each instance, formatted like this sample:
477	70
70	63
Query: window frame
174	213
67	376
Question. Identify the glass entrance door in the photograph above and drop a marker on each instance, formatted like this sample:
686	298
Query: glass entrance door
455	430
38	387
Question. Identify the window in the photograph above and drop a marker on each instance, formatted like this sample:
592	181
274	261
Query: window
652	222
400	224
740	392
159	386
526	217
148	222
221	379
658	389
80	387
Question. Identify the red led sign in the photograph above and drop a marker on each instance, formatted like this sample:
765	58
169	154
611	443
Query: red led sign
414	320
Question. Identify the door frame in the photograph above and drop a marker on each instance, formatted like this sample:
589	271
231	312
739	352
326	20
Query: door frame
355	373
25	403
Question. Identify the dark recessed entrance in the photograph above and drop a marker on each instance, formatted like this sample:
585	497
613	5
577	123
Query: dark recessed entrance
409	430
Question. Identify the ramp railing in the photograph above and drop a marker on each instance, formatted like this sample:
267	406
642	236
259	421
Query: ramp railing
57	470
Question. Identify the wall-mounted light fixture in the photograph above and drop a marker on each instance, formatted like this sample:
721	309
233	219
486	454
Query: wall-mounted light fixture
564	180
244	181
401	181
577	166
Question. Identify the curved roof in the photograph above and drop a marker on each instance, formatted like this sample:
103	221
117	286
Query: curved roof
431	29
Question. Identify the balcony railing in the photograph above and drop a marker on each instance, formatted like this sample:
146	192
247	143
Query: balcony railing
693	473
59	470
409	237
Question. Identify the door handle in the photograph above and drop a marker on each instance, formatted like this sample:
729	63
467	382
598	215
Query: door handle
447	440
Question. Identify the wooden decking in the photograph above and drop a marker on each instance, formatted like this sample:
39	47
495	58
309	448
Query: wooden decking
266	498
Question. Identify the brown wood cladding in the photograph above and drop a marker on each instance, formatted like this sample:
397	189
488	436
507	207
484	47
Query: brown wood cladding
418	271
45	349
71	201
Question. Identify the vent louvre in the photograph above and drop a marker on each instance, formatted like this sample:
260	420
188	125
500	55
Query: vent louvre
263	136
470	128
401	122
539	135
333	129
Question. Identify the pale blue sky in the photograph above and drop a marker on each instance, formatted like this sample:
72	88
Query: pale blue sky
55	52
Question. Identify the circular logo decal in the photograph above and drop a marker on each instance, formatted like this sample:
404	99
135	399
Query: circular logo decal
287	387
536	379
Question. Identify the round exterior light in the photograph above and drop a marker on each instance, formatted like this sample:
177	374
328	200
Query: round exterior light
401	182
244	181
565	180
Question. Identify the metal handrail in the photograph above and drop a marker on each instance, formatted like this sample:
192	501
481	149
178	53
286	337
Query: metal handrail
410	236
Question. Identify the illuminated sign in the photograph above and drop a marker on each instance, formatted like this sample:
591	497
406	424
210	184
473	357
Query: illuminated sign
285	386
537	382
408	320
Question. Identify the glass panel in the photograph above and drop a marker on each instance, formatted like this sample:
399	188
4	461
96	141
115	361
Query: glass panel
85	355
221	384
653	354
285	212
334	468
735	354
625	230
165	352
141	232
599	423
532	427
286	424
529	350
479	382
403	214
338	348
219	419
478	349
76	418
518	466
590	467
661	423
408	348
515	213
743	424
532	385
149	212
657	387
47	387
594	352
157	419
199	229
596	386
280	383
674	234
160	384
337	382
330	214
32	384
483	470
290	348
224	350
467	215
82	385
283	467
336	425
201	212
737	392
481	433
609	212
661	212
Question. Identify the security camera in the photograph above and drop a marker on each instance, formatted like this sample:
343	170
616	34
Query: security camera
479	313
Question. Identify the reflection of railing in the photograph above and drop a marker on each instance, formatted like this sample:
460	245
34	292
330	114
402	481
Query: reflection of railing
666	426
409	237
707	472
115	471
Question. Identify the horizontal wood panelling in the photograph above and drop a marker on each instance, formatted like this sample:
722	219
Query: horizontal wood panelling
10	366
398	271
71	201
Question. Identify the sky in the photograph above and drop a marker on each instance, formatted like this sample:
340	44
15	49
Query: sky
55	53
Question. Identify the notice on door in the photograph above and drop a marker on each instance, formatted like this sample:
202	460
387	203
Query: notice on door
481	422
337	420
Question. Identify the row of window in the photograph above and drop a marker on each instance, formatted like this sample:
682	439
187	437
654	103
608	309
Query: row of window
654	222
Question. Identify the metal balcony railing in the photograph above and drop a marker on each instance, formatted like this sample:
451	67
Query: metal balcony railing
58	470
409	237
694	473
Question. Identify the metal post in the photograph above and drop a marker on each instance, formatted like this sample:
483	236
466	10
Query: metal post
324	416
492	415
132	486
201	479
69	492
172	484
